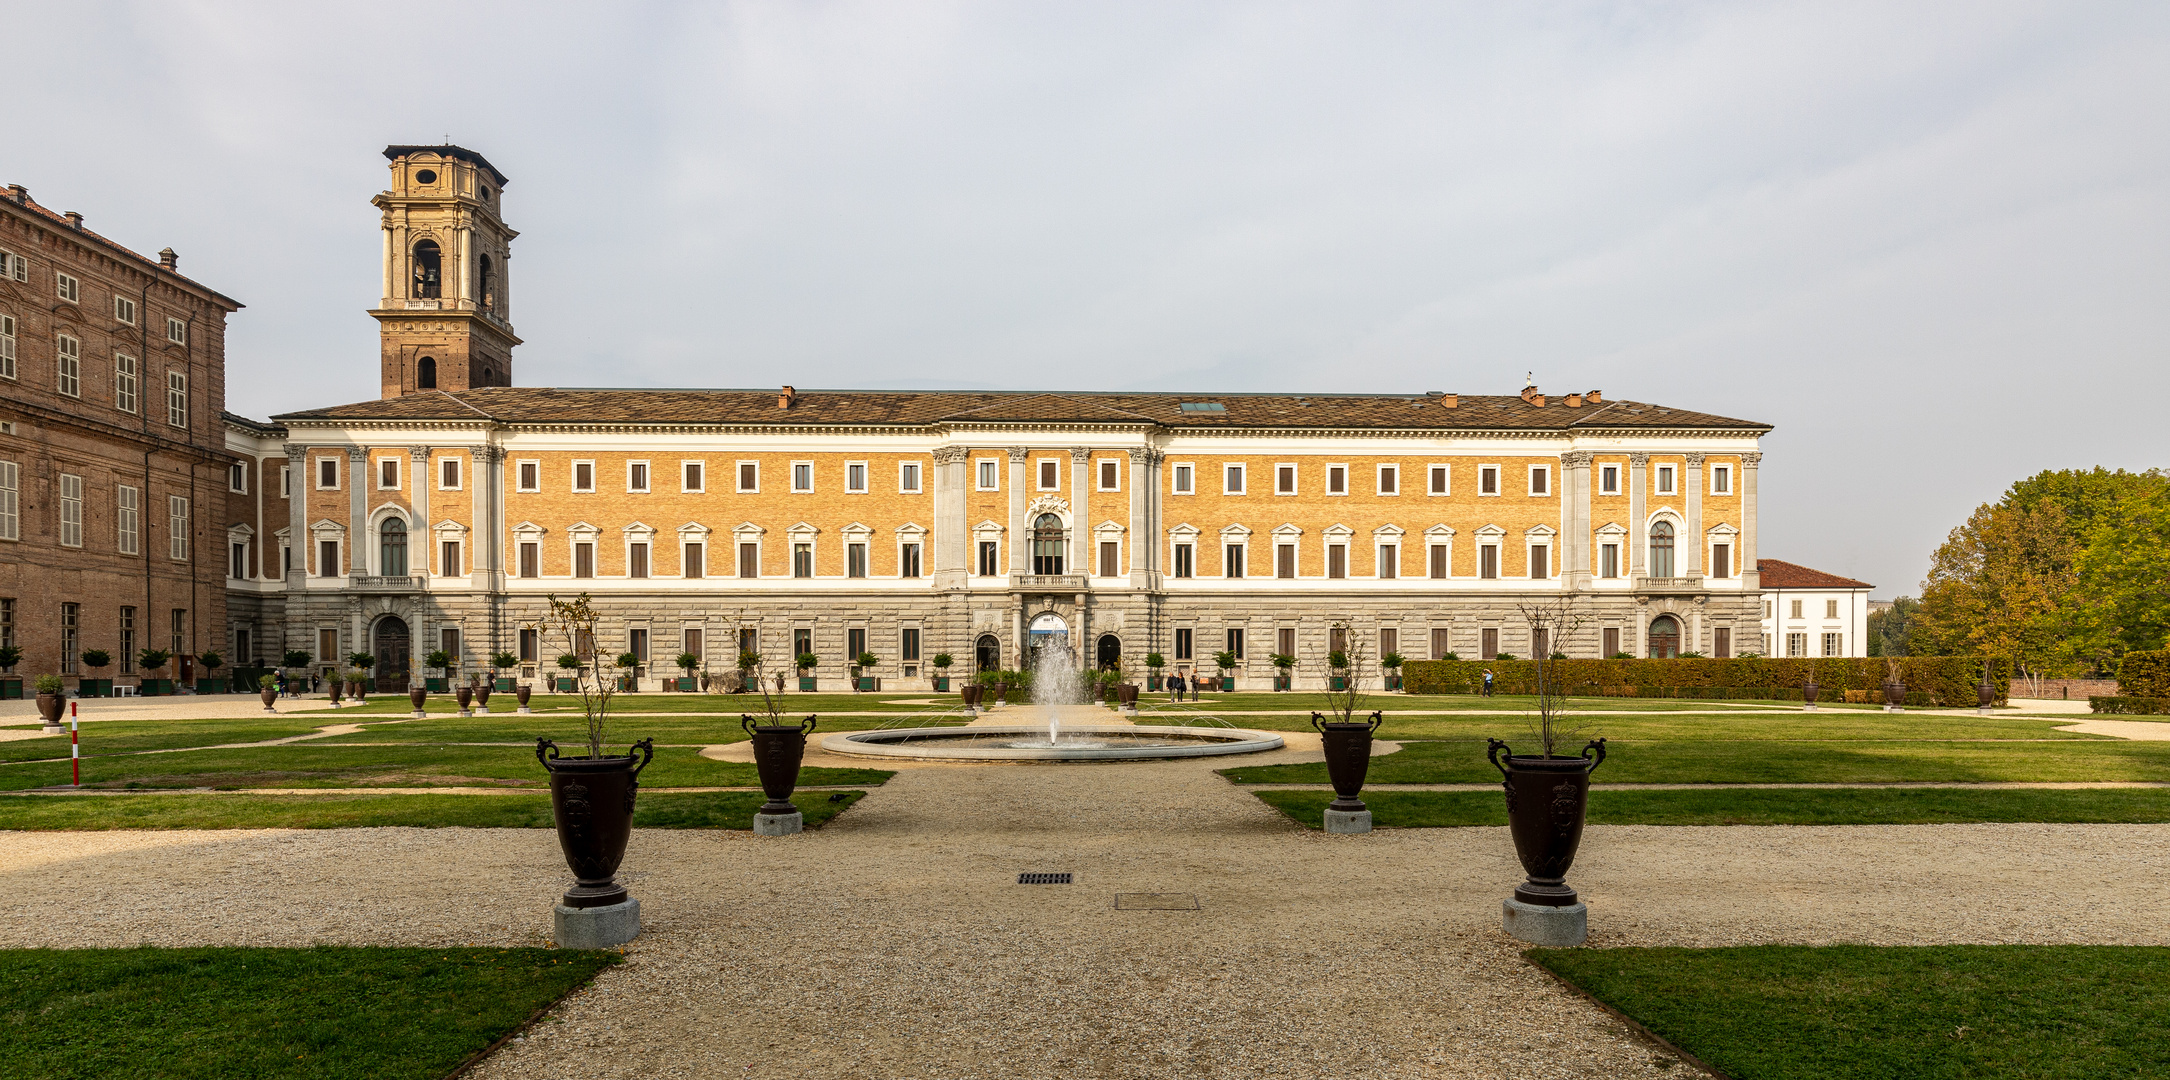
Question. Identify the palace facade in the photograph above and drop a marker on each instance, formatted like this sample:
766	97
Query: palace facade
978	524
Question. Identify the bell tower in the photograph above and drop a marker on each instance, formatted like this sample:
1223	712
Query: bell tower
446	317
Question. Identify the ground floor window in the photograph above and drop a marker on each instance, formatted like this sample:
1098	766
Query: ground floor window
1442	642
1235	641
1488	643
1721	642
1796	644
1834	644
1611	642
1184	647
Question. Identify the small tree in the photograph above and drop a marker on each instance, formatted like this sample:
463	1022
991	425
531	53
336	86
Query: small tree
504	660
153	659
439	659
573	621
867	660
1225	660
1349	664
1554	621
296	658
1392	662
9	657
98	659
806	660
943	660
628	662
1155	661
361	660
687	662
211	661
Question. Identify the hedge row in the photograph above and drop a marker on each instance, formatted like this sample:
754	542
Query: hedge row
1946	680
2145	674
2130	706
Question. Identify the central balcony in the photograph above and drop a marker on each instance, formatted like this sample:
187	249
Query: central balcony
1048	582
1668	584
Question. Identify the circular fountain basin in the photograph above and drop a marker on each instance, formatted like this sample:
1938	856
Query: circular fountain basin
1075	743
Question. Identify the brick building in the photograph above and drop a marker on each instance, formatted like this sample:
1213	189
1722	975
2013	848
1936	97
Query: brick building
113	467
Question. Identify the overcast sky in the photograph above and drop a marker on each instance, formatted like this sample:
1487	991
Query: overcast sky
1928	242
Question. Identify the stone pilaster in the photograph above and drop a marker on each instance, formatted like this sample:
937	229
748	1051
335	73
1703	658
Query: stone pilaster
1692	485
358	481
1020	542
418	523
1638	523
1751	579
297	517
952	533
1081	530
1575	519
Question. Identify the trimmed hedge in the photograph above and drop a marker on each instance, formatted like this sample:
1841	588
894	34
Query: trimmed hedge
2145	674
2130	706
1940	680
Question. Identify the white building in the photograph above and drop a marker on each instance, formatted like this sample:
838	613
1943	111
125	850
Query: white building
1810	613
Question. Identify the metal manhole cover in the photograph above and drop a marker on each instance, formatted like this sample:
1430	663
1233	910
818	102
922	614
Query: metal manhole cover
1043	879
1156	901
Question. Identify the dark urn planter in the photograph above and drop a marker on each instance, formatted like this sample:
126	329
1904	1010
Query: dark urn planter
970	693
358	690
520	693
1348	758
1547	799
1281	682
1894	693
1985	694
1152	683
777	751
466	698
482	696
1002	693
418	696
337	692
1393	682
49	708
1126	695
592	799
1808	693
269	694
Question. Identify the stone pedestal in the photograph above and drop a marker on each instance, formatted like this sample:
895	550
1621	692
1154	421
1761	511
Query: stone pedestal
1893	708
597	927
1983	710
1348	821
525	711
778	824
1540	925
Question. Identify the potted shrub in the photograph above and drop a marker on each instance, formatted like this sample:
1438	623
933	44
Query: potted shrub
686	662
568	678
1283	663
208	683
10	687
363	664
96	660
1347	742
1153	663
153	660
51	701
863	679
267	688
295	659
1392	662
1548	793
1337	668
1226	661
629	664
942	661
442	662
503	662
591	795
1004	678
805	662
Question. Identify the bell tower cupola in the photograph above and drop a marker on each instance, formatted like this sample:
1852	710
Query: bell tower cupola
445	320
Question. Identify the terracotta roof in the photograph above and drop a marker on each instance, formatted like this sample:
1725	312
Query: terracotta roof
1784	575
574	405
30	204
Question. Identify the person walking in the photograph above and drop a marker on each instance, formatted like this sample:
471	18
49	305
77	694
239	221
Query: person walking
1487	682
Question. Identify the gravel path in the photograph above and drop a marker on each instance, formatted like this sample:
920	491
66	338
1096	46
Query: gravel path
895	944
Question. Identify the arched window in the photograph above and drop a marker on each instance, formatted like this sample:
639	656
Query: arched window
1048	542
425	373
988	655
1661	549
488	289
1664	638
428	271
392	548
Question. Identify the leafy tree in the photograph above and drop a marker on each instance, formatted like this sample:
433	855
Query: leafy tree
1890	630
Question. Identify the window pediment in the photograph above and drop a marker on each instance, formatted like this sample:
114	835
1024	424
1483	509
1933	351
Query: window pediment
748	530
1387	530
1492	532
581	530
1291	529
694	530
1446	531
639	530
911	530
1339	531
857	530
1540	530
1236	530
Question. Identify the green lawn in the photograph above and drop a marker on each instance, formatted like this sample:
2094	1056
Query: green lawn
1735	806
310	765
656	810
719	704
1789	1012
122	736
323	1013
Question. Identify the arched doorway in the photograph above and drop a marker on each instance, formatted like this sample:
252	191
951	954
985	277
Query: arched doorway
988	653
1664	638
1048	542
394	652
1046	638
392	548
1661	549
1108	653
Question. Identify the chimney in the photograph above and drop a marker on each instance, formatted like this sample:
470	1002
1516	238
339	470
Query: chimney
75	220
18	193
167	258
1530	394
1574	401
1595	397
1450	401
783	398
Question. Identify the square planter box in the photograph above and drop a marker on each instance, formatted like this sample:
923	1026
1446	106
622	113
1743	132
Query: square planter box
1337	682
565	686
625	684
806	682
867	682
941	685
686	684
436	686
1228	683
155	687
503	686
210	686
11	689
1281	682
1393	682
94	688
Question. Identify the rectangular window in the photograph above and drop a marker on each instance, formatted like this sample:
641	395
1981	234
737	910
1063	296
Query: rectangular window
1438	560
908	644
1184	649
1608	560
1797	609
802	476
7	346
1110	474
802	642
854	644
71	641
1721	480
1110	558
1832	644
530	476
583	560
125	518
237	561
749	560
1487	479
327	558
1050	474
1337	480
327	474
1540	480
124	383
855	476
1232	480
1232	560
69	289
1540	643
530	645
448	559
1608	480
1721	642
1540	561
128	640
636	642
855	560
908	479
286	481
1235	641
583	476
448	474
1442	642
802	560
689	641
1796	644
71	510
1337	560
237	478
388	474
1284	479
1611	646
1180	480
636	477
176	331
70	366
1284	641
990	475
7	621
1284	561
124	310
179	639
693	559
636	560
1721	560
1665	479
990	564
11	513
530	559
1389	641
176	399
1184	561
1389	479
1389	561
908	561
1830	609
1488	643
1438	479
1488	561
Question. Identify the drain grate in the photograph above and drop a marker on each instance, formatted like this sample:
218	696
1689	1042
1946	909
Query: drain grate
1043	879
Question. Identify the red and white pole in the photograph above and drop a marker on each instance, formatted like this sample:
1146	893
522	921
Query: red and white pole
75	744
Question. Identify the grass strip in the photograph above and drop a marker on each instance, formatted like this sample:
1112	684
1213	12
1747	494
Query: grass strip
126	736
1794	1012
317	765
656	810
1736	806
325	1013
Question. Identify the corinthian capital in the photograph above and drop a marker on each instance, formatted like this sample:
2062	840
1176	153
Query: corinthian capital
1752	458
1694	460
950	455
419	453
1639	459
1018	454
1153	457
1576	459
1079	454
